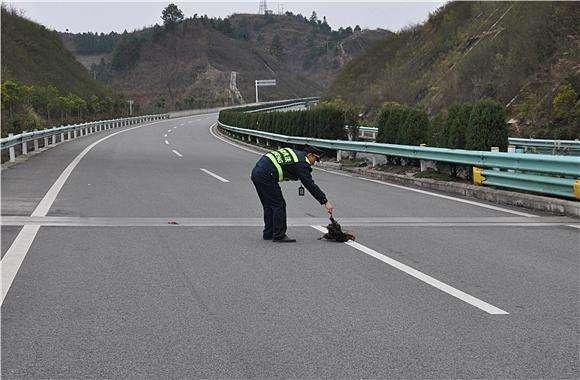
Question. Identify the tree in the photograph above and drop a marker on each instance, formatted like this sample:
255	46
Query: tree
313	17
487	126
171	15
12	95
564	101
276	48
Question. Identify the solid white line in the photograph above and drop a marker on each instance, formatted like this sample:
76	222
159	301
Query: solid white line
17	252
165	135
229	142
488	308
214	175
166	142
15	256
333	172
177	153
451	198
473	203
169	131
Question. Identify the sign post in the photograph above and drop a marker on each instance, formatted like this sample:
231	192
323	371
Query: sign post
264	82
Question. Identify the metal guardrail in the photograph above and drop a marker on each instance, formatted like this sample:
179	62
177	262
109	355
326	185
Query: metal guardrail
570	147
554	166
564	147
68	132
290	105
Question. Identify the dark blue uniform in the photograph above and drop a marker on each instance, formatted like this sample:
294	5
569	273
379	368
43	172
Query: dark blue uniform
276	166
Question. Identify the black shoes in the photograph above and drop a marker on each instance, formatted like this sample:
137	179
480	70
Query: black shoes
268	237
284	239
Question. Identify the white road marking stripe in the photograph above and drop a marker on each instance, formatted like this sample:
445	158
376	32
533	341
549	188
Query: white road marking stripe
371	222
214	175
451	198
488	308
177	153
169	131
231	143
391	184
166	142
17	252
15	256
333	172
165	135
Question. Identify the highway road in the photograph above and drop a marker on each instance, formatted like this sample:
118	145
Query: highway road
138	252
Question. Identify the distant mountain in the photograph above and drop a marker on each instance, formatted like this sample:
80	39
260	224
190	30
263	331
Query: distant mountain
34	55
205	62
523	54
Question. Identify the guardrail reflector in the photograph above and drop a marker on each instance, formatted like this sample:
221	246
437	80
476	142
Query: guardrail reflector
577	189
478	177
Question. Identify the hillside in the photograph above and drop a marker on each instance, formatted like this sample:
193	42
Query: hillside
34	55
524	55
43	85
206	62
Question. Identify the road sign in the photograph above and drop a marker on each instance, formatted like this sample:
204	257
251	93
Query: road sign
264	82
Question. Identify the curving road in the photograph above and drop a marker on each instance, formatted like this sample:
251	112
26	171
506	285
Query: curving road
145	258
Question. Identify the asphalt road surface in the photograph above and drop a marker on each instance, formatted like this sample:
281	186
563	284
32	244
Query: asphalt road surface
144	258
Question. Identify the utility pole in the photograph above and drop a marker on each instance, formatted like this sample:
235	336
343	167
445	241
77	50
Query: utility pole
263	7
130	107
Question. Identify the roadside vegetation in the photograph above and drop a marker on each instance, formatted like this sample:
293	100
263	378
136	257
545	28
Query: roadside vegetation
42	83
524	55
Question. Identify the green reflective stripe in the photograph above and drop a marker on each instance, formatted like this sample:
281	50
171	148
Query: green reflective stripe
277	165
294	157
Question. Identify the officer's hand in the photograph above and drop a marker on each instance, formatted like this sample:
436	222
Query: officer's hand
329	207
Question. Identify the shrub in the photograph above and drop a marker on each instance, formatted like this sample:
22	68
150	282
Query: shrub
390	119
453	134
487	126
323	121
401	124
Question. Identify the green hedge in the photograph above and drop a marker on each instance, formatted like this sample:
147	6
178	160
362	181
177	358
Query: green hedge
323	121
401	124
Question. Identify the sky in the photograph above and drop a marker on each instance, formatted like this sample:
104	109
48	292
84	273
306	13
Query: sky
119	16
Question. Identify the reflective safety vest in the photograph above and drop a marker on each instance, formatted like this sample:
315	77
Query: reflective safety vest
281	157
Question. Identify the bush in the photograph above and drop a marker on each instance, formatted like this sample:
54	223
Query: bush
322	121
487	126
435	135
401	124
453	134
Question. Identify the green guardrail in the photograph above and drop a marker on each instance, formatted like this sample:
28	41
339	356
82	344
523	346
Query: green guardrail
561	147
551	166
11	142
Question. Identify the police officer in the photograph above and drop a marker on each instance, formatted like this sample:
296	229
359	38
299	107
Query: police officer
283	165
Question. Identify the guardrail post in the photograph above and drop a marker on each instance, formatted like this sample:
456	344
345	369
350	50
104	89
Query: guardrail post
24	145
53	140
426	164
511	149
11	150
35	143
45	142
61	136
75	134
374	161
69	135
495	149
338	155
